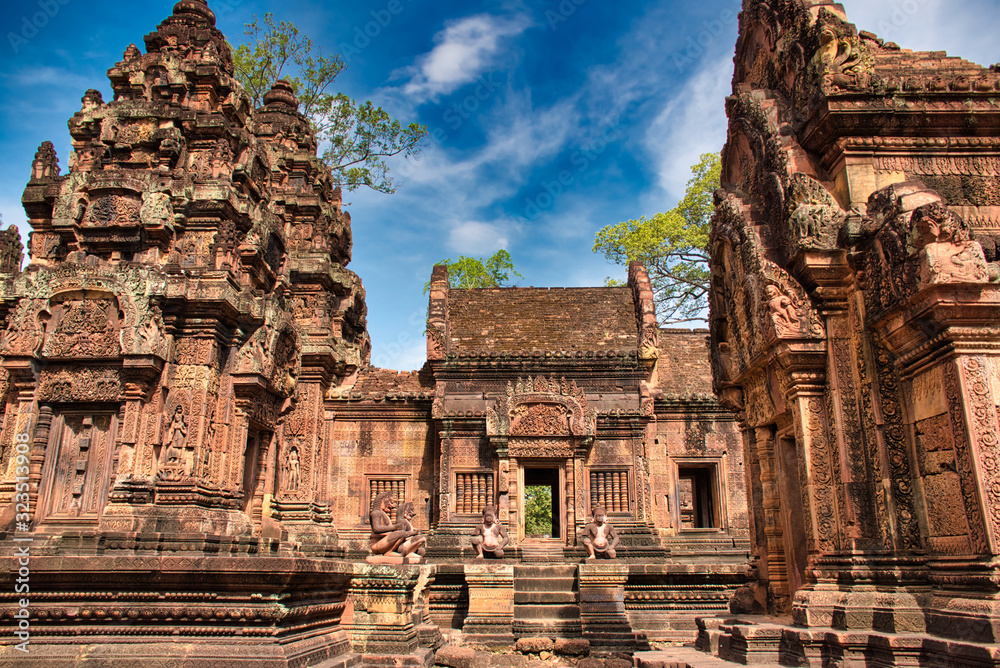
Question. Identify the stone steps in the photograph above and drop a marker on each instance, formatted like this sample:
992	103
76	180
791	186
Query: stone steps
547	597
542	551
546	601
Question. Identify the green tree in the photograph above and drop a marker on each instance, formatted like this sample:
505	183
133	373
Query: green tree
477	272
673	245
355	137
538	511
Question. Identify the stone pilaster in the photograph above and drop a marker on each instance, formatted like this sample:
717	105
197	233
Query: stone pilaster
602	604
491	603
384	620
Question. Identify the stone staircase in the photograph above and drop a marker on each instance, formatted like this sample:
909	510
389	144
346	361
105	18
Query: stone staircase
546	601
542	551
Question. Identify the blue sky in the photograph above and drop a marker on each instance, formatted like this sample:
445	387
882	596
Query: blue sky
552	118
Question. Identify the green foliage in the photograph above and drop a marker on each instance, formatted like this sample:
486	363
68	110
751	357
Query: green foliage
356	137
673	245
471	272
538	511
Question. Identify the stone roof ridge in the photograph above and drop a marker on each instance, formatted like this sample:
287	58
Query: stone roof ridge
803	47
374	383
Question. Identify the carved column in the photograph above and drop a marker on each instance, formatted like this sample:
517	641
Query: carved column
32	420
774	564
570	502
812	434
974	414
444	482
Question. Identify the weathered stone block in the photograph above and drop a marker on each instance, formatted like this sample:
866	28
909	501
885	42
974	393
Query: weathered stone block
572	646
454	656
534	645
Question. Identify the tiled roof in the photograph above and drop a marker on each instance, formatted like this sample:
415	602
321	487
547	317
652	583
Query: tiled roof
547	319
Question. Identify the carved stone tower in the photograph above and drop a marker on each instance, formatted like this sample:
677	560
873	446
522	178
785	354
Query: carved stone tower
853	315
185	308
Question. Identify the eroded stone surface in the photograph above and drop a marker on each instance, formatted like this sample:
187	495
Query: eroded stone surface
854	265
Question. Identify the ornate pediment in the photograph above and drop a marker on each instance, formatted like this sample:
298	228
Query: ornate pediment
541	407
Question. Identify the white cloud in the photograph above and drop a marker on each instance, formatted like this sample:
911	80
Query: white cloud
475	238
693	122
465	50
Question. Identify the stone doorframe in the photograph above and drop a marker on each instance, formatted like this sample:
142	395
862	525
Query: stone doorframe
541	420
566	490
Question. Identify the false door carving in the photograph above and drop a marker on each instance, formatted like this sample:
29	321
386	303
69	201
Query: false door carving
78	468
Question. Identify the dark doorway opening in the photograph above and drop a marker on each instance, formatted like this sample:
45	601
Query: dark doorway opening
541	497
697	498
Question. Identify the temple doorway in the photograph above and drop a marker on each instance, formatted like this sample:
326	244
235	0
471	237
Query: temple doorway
542	503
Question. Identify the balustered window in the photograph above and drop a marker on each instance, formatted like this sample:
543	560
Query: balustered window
473	492
609	489
378	485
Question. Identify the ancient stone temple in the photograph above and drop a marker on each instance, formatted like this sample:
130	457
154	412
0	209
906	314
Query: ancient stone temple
193	440
853	324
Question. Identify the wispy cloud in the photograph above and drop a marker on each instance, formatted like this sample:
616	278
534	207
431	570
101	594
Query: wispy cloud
464	50
477	238
692	122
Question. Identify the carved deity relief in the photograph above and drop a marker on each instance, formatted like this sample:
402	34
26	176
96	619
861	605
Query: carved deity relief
175	464
814	217
540	420
24	332
947	254
541	407
782	311
83	328
113	210
150	336
290	470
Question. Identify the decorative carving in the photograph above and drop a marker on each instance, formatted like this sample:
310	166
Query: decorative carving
80	384
541	448
841	61
83	328
540	420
